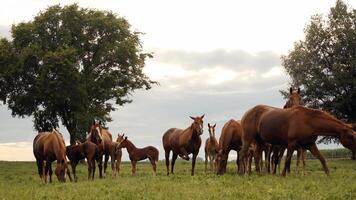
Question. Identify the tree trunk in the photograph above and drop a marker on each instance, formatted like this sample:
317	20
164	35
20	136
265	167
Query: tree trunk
72	135
353	157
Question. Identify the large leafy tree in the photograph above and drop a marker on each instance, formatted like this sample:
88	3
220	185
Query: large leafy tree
324	63
70	65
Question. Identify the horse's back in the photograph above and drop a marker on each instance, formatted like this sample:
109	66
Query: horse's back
47	145
231	134
168	136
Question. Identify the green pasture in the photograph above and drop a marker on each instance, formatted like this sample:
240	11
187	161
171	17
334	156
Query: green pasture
19	180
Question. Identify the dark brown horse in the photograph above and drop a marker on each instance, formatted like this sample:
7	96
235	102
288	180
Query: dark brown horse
230	139
183	142
137	154
103	139
293	127
211	148
78	152
48	147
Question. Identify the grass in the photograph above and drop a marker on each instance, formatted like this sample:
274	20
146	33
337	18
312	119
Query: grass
19	180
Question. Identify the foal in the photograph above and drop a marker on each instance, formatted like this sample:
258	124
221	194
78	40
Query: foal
137	154
211	148
78	152
116	154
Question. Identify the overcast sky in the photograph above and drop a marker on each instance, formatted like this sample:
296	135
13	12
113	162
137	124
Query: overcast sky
217	58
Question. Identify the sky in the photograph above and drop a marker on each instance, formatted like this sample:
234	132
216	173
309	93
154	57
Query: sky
217	58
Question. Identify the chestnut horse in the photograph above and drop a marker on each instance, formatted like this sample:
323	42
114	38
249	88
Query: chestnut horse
116	154
48	147
78	152
211	148
230	139
183	142
293	127
137	154
104	142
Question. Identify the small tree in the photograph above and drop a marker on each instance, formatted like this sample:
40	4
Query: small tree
324	63
70	65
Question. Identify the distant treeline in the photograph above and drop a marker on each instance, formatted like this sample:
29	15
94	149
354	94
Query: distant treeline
332	153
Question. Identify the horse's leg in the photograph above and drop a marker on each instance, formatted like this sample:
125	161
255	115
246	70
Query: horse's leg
133	163
184	154
90	167
48	163
243	156
167	152
106	163
193	162
118	162
74	164
93	169
211	162
100	165
50	173
206	161
268	159
250	156
113	162
153	163
238	161
290	151
40	168
280	156
298	159
303	160
315	151
174	158
258	160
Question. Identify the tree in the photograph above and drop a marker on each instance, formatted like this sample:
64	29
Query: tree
70	65
324	63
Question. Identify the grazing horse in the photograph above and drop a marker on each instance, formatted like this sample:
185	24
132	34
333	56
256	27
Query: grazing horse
137	154
230	139
293	127
48	147
116	154
103	139
78	152
211	148
183	142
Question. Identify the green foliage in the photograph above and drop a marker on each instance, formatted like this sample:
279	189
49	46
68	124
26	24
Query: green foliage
324	63
19	180
70	65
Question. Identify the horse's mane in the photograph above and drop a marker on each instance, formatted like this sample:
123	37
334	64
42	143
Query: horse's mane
324	114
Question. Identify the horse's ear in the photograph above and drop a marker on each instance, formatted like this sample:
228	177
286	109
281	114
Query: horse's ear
202	116
214	125
100	122
93	122
192	118
126	138
298	90
209	125
290	90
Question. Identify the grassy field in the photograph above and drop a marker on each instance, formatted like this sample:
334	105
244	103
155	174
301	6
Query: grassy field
19	180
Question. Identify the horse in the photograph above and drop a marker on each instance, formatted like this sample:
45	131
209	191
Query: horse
211	148
116	154
230	139
277	151
183	142
48	147
292	127
78	152
137	154
102	138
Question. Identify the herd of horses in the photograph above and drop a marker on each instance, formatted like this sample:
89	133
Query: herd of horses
263	130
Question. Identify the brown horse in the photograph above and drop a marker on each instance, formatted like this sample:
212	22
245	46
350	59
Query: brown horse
230	139
211	148
78	152
183	142
293	127
48	147
116	154
103	139
137	154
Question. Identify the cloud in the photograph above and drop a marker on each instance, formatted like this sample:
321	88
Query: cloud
5	31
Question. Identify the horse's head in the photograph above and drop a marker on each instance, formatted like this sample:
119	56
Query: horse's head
95	133
294	98
348	139
120	138
221	161
122	144
61	170
212	130
197	125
